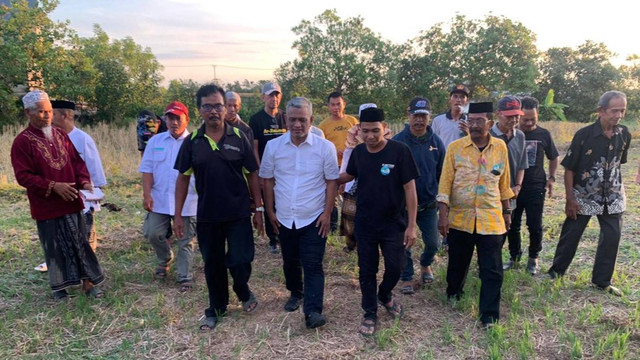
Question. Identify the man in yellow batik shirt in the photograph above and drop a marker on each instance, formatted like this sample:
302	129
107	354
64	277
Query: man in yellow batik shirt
473	199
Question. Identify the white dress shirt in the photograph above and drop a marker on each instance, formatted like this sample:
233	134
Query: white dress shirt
158	159
300	173
88	151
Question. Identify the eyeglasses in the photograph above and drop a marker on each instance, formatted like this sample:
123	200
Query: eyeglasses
209	107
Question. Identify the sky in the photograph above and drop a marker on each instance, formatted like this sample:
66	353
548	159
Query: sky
250	39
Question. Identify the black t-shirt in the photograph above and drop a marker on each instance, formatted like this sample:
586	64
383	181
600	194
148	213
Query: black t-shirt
245	128
538	143
265	128
381	208
223	194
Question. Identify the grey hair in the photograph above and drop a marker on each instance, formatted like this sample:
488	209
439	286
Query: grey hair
232	95
300	103
606	98
33	106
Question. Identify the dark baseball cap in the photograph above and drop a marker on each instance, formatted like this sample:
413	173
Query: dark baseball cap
459	89
419	105
510	105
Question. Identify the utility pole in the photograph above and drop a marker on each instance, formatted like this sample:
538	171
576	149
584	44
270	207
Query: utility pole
215	77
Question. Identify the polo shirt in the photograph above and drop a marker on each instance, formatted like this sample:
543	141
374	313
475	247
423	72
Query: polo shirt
517	155
223	194
595	161
473	184
300	173
447	128
266	128
158	160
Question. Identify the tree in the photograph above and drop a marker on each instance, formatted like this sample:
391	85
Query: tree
185	92
579	77
340	55
493	55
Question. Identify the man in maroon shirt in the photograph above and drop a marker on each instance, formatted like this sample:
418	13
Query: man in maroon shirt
47	164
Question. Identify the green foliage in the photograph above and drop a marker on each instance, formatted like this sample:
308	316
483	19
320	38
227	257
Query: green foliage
550	110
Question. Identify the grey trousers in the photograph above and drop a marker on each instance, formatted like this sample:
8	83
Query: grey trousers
606	254
157	229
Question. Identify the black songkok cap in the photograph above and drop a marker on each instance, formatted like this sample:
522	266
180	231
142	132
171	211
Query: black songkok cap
481	107
63	104
372	115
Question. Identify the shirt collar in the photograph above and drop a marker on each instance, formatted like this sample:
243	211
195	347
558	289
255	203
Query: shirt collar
597	129
466	141
308	140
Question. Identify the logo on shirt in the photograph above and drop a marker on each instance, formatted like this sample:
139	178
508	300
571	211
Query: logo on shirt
432	148
386	169
231	147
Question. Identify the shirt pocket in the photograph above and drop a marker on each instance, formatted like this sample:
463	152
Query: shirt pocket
313	166
159	155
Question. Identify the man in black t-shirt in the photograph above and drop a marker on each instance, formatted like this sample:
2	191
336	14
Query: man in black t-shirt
538	143
268	124
386	217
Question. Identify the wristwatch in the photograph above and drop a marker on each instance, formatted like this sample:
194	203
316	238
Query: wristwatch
260	209
506	212
552	178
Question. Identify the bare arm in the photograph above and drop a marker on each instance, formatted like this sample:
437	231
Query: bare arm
147	183
507	217
411	199
345	178
443	218
269	203
571	208
518	187
182	187
254	188
553	167
324	221
256	152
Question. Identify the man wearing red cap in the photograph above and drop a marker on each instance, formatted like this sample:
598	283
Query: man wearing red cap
158	189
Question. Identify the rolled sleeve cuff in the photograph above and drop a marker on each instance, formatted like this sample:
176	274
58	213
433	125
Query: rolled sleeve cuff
189	172
507	194
443	199
265	174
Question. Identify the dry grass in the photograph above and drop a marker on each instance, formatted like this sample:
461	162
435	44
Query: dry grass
141	317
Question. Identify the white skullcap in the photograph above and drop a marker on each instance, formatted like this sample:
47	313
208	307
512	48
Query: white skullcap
33	97
366	106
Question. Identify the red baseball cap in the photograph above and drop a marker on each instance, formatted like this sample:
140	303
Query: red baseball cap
510	105
177	108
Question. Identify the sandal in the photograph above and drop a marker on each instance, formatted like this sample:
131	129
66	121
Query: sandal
407	288
41	267
367	327
208	323
94	293
427	278
395	309
186	286
161	271
250	305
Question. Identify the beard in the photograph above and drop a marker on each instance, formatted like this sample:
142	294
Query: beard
48	132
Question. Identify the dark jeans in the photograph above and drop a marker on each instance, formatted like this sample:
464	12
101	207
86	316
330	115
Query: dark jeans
303	250
237	235
368	260
533	203
427	220
461	245
606	254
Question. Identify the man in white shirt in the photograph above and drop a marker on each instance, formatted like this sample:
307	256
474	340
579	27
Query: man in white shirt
158	187
63	118
300	171
452	125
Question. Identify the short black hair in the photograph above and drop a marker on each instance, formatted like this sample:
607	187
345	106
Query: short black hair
335	94
530	103
206	90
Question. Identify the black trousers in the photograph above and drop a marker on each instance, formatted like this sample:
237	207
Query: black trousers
237	236
531	202
303	249
368	259
606	253
461	245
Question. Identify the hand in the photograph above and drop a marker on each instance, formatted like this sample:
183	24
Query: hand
147	203
507	220
409	236
275	224
258	224
463	127
178	226
340	152
549	187
324	224
341	189
516	190
87	186
443	224
66	191
571	208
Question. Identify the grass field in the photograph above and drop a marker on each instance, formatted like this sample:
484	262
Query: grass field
141	317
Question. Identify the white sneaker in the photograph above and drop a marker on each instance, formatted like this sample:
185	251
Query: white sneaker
42	267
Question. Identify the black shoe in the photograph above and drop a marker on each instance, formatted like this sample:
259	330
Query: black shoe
610	289
292	304
61	295
511	264
553	274
315	320
274	249
532	266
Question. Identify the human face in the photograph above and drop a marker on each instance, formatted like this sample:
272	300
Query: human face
614	112
298	123
529	121
58	118
42	115
214	118
507	123
336	107
418	124
458	101
272	101
233	107
176	124
372	133
479	126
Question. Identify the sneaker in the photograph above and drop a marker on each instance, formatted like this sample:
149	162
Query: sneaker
532	266
292	304
511	264
315	320
274	249
41	268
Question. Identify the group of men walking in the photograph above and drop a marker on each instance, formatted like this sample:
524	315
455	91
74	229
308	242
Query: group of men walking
462	174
